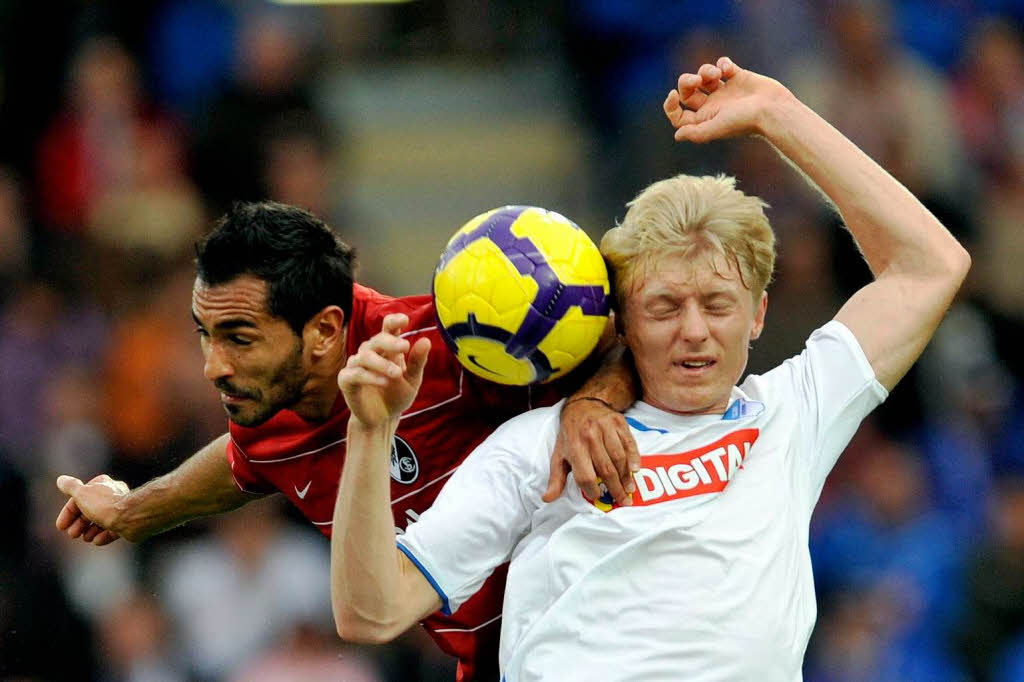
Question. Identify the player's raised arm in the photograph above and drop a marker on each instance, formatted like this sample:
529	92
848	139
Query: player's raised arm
376	592
918	266
103	509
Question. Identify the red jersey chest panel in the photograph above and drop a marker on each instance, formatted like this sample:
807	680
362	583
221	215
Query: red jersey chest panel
453	413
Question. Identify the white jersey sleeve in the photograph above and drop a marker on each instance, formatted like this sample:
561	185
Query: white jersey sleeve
484	509
832	388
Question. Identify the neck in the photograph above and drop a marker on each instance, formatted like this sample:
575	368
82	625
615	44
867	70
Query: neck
320	392
718	407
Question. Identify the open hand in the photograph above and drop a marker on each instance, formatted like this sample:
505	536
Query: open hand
721	100
91	512
596	444
381	380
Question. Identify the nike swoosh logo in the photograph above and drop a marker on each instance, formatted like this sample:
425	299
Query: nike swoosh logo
302	493
472	358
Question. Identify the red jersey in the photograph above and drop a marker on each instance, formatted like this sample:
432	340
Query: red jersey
452	414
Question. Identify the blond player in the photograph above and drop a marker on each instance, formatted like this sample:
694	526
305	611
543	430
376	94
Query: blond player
707	575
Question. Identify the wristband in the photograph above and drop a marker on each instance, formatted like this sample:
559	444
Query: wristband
589	397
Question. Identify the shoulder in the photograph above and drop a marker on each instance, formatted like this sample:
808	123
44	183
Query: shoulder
529	436
832	343
370	307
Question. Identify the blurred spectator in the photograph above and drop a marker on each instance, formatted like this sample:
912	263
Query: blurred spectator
72	438
156	213
972	408
803	296
994	588
89	148
1000	247
934	29
988	93
192	49
35	617
273	81
855	641
14	233
311	655
891	104
159	406
237	592
297	165
885	547
40	333
134	645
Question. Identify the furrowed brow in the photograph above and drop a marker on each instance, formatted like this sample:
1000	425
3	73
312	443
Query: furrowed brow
235	323
227	325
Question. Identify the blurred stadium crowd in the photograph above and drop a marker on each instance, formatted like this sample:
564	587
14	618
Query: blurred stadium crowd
126	128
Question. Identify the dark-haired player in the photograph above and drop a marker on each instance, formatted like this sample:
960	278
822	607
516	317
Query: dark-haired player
278	314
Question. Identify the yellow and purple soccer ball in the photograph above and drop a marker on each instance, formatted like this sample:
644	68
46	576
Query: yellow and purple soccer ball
522	295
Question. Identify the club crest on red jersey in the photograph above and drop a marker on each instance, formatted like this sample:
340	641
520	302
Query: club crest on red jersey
405	468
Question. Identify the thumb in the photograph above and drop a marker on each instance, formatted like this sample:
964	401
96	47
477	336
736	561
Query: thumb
68	485
556	482
417	361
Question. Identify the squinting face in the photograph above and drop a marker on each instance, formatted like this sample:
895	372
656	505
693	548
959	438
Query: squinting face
689	328
253	358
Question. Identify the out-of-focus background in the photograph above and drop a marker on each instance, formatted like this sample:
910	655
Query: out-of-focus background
126	128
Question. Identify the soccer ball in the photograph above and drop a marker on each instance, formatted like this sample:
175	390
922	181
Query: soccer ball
521	295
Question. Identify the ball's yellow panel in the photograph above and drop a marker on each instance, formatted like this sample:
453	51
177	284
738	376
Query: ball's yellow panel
572	340
567	249
484	282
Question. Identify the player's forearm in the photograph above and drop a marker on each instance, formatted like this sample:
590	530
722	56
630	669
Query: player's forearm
613	383
201	486
366	591
896	233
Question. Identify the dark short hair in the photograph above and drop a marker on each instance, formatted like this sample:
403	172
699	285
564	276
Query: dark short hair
305	264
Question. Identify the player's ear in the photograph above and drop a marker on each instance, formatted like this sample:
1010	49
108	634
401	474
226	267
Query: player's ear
325	331
759	314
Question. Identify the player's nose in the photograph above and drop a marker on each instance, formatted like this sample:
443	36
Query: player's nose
216	365
693	327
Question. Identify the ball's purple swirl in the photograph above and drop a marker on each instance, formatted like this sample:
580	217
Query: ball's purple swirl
553	298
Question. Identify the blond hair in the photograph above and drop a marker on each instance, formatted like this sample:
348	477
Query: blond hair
684	215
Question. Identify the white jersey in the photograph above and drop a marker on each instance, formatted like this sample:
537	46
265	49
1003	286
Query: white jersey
706	577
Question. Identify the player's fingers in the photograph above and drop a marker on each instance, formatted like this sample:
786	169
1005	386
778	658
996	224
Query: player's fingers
605	467
632	454
728	68
68	513
91	532
586	478
354	377
373	361
105	538
673	108
395	323
694	101
68	485
557	478
690	94
418	361
711	77
78	526
386	344
695	131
